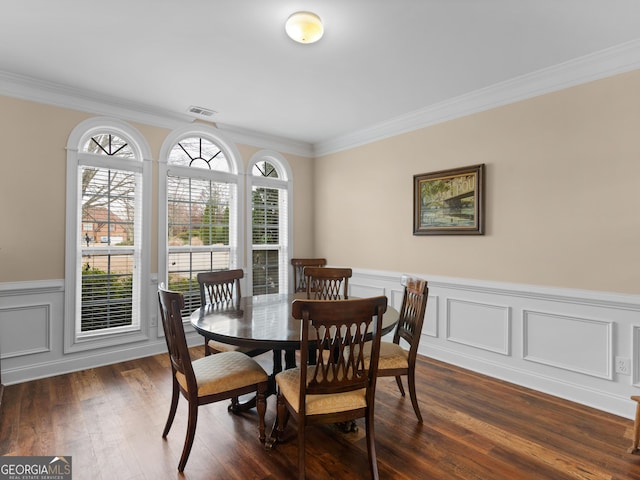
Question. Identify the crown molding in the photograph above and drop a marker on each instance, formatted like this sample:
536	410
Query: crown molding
32	89
605	63
265	141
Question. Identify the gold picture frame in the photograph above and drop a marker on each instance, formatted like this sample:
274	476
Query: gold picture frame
449	202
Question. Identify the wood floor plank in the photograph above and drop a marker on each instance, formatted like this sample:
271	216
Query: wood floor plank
110	420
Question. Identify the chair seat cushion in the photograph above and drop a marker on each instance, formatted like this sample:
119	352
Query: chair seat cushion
392	356
223	372
288	383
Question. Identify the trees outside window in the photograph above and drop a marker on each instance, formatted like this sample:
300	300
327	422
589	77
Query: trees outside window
106	175
199	209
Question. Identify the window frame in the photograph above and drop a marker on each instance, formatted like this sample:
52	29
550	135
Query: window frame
284	182
76	159
233	176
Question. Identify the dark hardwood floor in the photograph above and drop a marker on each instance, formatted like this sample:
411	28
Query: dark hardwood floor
110	420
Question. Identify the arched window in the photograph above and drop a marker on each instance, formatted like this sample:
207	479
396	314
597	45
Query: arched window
107	180
199	210
269	187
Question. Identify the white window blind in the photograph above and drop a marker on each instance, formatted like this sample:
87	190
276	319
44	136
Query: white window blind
107	267
269	230
201	213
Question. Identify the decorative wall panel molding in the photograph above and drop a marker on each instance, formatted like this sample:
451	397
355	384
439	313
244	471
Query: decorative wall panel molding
480	325
430	326
484	330
547	338
25	330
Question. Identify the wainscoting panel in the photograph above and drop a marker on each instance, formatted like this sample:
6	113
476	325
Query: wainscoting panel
479	325
359	290
32	328
395	297
25	330
546	337
430	325
559	341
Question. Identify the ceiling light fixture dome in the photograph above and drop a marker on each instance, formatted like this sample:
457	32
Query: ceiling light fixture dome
304	27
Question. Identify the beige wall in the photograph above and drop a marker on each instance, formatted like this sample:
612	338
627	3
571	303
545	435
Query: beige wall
33	188
562	178
562	208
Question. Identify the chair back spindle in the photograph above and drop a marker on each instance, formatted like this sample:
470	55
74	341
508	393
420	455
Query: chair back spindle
299	279
327	283
220	286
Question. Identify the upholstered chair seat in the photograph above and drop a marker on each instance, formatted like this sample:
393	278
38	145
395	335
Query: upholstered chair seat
223	372
392	356
288	383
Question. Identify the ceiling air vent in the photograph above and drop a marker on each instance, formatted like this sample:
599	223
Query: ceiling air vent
201	112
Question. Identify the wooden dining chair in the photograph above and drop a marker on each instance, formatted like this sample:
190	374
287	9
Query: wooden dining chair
327	283
338	388
299	280
207	379
222	288
394	360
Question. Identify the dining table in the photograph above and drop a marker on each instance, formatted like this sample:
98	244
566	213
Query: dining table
262	322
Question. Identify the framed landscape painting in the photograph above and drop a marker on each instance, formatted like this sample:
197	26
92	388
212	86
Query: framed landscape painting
449	202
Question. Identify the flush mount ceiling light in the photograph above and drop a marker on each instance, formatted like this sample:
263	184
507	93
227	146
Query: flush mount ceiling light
304	27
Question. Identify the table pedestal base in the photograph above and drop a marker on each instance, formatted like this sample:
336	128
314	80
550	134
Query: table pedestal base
289	361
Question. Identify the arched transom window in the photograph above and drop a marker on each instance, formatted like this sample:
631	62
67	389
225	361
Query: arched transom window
201	193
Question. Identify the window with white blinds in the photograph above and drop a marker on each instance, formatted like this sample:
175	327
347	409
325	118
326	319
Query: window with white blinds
108	249
269	228
104	293
201	212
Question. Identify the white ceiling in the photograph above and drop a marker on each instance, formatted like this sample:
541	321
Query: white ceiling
378	60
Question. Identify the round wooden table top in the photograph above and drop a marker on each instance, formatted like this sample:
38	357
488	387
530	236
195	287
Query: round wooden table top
261	322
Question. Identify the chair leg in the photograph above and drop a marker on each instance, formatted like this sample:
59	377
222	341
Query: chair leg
172	409
261	406
282	415
191	434
411	380
371	445
636	427
207	349
400	387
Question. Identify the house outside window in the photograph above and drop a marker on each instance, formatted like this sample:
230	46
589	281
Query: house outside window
105	295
